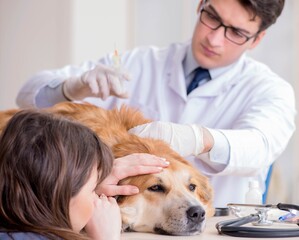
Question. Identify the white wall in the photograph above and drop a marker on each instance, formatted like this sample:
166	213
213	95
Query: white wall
34	36
162	22
278	50
295	166
45	34
98	26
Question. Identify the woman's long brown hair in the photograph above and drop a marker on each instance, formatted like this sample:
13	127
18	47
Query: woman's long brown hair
44	161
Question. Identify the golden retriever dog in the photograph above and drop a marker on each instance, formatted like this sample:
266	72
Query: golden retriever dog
176	201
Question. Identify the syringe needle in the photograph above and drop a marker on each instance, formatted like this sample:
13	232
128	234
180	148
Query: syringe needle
116	59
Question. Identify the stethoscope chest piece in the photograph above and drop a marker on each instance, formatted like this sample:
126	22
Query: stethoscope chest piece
263	217
235	227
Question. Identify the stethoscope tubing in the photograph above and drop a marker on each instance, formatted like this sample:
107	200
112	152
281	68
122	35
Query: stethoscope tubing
234	227
259	233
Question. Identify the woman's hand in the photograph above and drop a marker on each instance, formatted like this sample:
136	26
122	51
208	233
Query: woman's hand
131	165
106	212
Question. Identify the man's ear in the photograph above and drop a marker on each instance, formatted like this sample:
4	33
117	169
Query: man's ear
257	40
201	2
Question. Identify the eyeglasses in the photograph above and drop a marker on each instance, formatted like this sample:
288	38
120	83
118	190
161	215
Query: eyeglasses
232	34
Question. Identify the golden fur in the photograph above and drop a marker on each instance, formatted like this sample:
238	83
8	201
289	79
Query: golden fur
169	202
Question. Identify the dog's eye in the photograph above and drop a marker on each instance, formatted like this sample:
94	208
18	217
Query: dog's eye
156	188
192	187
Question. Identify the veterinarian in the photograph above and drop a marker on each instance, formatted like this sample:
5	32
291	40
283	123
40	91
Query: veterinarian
231	125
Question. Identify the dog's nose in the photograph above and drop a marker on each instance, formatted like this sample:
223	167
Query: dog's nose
196	214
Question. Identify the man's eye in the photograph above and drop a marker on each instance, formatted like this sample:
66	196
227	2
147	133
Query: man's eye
212	17
192	187
156	188
236	33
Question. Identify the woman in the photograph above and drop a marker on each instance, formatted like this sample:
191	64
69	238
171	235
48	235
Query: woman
50	168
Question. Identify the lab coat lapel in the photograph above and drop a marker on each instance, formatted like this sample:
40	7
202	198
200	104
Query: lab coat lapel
220	83
175	73
213	87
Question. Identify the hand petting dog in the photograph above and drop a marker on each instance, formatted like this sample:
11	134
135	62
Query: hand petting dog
131	165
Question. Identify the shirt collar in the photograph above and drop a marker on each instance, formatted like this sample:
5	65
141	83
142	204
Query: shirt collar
190	64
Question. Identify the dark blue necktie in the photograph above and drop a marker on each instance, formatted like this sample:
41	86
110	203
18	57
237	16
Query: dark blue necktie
200	74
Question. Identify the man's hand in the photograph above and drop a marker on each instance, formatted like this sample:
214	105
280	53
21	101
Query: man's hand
131	165
186	139
102	81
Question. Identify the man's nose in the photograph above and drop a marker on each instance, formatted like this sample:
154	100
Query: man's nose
216	37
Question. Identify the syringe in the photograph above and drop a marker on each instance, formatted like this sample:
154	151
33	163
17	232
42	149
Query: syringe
116	60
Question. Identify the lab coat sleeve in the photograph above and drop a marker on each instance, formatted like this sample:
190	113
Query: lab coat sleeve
262	132
33	90
217	158
44	88
50	95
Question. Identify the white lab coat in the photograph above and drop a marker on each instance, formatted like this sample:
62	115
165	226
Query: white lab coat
249	104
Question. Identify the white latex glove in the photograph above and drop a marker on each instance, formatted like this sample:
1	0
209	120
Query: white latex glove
102	81
185	139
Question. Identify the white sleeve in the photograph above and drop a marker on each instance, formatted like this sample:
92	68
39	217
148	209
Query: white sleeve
44	88
40	91
50	95
219	155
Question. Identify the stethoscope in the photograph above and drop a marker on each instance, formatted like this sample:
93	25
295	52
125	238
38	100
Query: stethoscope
235	227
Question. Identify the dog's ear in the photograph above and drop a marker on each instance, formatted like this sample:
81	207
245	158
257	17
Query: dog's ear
5	116
133	144
130	117
204	192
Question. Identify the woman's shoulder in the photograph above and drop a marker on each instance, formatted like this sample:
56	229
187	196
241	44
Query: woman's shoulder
21	236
